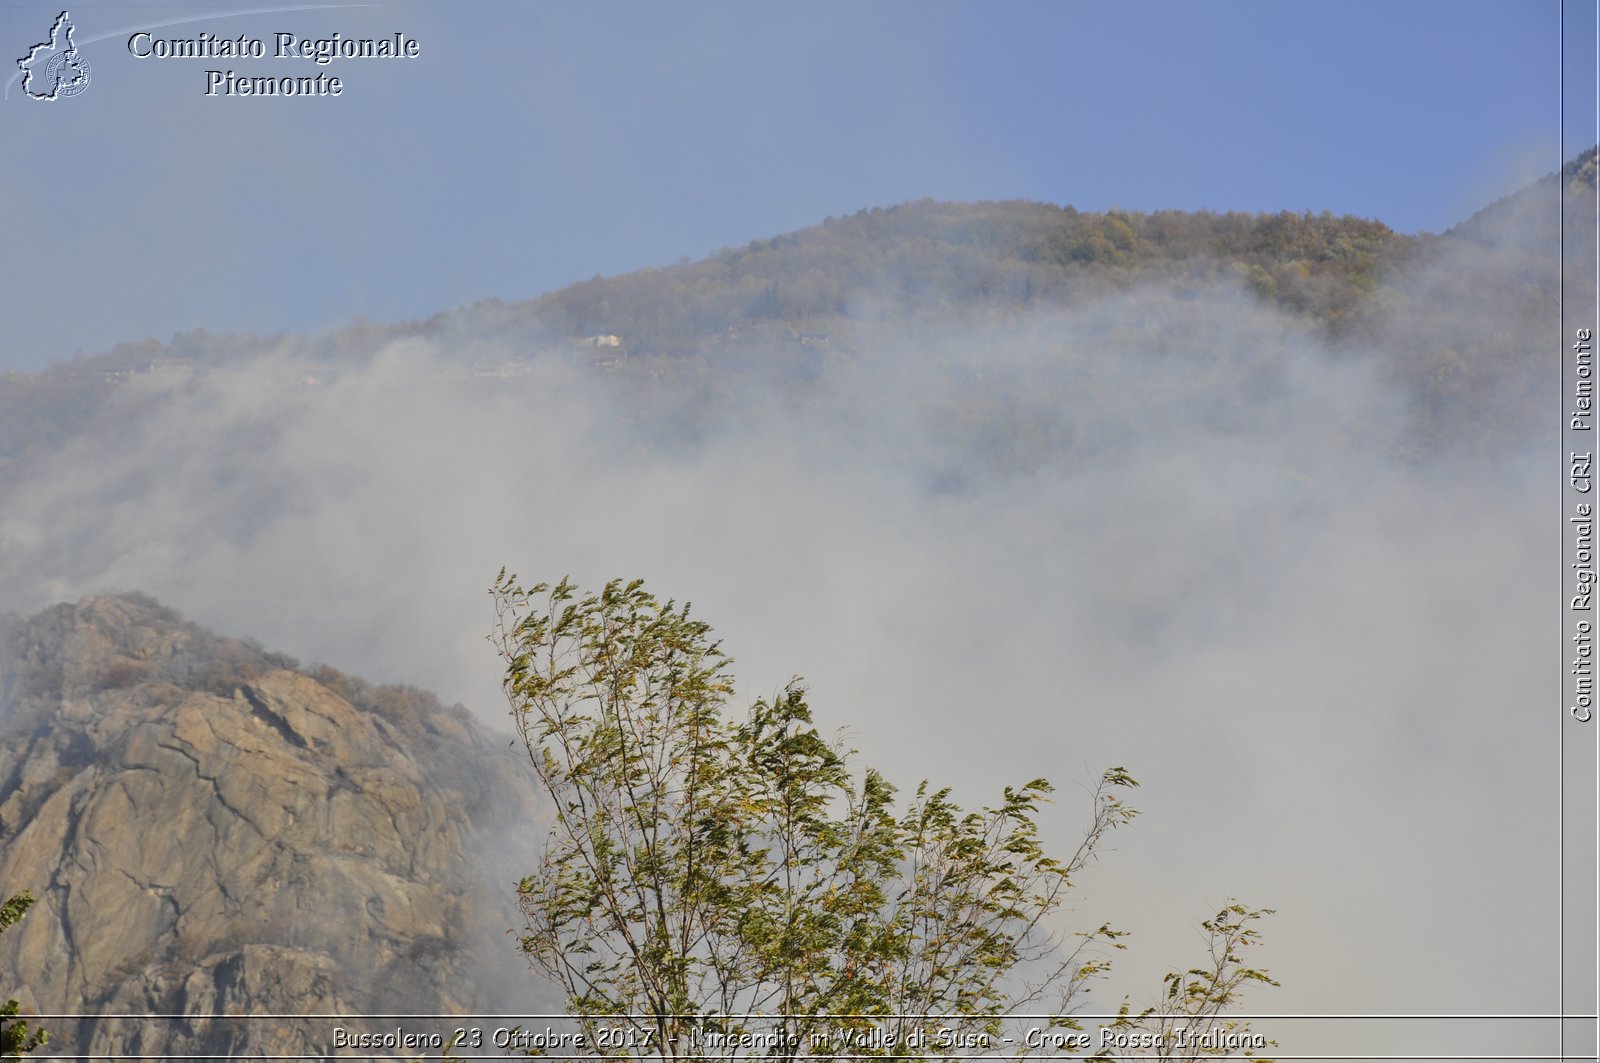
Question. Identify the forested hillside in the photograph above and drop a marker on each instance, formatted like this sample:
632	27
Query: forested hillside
931	258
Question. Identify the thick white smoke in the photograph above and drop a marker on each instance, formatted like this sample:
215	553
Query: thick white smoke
1166	530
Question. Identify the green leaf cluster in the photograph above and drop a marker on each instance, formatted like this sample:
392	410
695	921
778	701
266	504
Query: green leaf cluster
712	884
17	1038
1197	999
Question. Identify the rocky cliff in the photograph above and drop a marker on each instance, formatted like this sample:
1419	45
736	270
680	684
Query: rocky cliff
214	834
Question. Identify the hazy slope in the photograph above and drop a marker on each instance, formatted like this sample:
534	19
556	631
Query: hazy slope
792	306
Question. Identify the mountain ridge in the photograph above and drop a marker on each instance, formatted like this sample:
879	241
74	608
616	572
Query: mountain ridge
799	300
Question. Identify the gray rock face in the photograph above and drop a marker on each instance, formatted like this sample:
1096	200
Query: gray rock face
211	832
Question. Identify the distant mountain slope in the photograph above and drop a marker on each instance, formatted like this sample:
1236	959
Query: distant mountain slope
1534	213
1445	311
1471	330
210	831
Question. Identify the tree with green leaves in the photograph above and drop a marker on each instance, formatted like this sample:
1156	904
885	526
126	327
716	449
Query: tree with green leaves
719	888
17	1039
1190	1019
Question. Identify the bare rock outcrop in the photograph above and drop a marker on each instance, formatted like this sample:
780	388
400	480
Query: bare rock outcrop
214	834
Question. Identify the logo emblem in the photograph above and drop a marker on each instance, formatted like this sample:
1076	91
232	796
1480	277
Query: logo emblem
55	69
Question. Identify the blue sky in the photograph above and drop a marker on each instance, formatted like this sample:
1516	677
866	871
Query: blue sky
532	145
